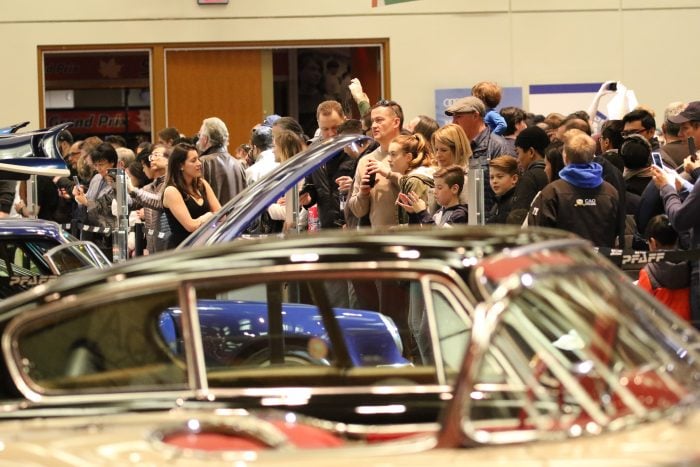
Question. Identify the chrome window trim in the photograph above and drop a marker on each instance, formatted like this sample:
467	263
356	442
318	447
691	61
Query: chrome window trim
179	283
192	338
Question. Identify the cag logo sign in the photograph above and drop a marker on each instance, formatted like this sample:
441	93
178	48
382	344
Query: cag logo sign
448	101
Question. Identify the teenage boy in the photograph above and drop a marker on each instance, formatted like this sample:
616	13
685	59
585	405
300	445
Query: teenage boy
449	183
503	178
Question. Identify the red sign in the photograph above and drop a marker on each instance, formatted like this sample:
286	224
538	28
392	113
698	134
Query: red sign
101	121
91	66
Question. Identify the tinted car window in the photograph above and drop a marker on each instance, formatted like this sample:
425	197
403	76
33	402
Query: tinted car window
573	355
112	344
294	326
22	265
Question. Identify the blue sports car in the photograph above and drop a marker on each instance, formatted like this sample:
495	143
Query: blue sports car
236	331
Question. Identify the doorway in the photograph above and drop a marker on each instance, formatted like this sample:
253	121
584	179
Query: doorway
134	91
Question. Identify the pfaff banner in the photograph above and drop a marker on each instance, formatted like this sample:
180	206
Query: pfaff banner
376	3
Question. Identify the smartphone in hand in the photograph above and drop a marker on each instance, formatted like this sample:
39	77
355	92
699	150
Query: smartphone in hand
77	182
692	149
372	180
656	160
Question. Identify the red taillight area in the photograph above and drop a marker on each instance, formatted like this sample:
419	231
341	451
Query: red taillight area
213	441
500	268
308	437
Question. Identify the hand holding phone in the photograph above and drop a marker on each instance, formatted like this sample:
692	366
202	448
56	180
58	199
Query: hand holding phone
372	179
692	149
77	183
656	160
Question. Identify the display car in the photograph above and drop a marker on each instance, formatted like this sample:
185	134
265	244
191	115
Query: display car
32	152
241	215
526	347
35	251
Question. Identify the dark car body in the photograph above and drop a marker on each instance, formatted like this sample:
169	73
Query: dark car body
32	153
112	317
534	342
34	251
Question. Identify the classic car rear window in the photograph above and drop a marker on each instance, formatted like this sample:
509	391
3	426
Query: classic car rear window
572	356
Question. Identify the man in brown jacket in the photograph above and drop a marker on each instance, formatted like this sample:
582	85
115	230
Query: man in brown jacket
224	173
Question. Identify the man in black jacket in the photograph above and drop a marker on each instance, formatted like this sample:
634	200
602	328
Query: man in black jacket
321	187
529	146
580	201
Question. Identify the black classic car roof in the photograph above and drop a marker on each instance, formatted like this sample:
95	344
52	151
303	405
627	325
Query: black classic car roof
335	246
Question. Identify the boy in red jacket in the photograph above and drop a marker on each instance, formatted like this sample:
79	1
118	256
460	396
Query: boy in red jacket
668	282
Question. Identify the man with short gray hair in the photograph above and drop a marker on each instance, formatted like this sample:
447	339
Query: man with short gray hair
225	173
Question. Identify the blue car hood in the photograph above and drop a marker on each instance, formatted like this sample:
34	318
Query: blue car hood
233	218
33	153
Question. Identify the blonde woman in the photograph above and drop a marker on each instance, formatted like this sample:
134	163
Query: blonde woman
451	147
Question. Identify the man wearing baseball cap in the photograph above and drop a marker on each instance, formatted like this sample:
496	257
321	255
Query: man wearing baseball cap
468	113
684	214
689	120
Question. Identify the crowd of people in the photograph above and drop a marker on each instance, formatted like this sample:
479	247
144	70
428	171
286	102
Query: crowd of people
552	171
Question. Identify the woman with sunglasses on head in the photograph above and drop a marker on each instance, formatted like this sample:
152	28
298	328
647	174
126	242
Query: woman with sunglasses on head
188	199
451	147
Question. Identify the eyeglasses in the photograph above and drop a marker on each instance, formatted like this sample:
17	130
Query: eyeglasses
154	155
385	103
398	111
634	131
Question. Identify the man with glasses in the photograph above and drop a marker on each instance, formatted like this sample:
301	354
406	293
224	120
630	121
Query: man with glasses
155	163
641	122
95	205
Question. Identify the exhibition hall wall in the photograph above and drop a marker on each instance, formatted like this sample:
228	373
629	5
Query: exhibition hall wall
649	45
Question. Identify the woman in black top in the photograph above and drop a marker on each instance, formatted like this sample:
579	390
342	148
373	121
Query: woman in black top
188	200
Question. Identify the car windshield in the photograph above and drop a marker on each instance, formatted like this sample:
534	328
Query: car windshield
576	353
243	211
75	256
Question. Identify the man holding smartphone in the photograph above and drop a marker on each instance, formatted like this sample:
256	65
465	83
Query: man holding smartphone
95	204
684	214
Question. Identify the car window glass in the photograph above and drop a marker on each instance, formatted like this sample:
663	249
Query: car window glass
452	330
571	356
285	329
26	256
116	343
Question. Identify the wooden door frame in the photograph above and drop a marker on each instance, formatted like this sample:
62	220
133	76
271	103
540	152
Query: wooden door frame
157	63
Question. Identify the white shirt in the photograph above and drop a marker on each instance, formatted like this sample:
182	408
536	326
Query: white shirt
265	163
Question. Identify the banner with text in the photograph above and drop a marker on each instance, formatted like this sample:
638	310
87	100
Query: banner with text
99	121
511	97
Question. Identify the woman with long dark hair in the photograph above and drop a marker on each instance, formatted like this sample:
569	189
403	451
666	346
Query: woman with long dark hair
188	200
